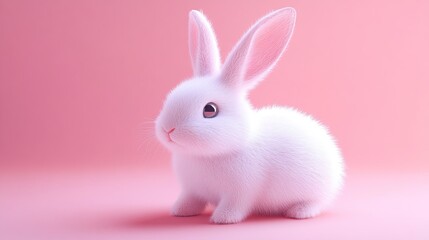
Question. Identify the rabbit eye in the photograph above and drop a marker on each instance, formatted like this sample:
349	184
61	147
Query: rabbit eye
210	110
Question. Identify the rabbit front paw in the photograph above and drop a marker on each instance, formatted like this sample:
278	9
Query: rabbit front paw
188	206
227	216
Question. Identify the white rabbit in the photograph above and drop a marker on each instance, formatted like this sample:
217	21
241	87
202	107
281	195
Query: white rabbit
241	160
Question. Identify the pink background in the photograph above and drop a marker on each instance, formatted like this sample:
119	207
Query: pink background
79	78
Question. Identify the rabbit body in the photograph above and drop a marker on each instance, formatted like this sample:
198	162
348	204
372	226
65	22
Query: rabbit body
272	161
290	167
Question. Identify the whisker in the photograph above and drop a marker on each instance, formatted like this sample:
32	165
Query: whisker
148	149
149	145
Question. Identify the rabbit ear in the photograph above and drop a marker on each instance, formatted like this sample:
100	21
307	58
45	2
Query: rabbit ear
259	49
202	45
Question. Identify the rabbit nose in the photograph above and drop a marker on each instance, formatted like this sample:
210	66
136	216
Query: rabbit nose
170	131
168	134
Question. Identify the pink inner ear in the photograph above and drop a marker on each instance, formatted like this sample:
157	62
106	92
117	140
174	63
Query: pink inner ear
267	45
193	43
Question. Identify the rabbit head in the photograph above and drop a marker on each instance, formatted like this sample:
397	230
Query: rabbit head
210	113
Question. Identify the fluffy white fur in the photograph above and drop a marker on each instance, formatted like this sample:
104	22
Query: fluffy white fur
275	161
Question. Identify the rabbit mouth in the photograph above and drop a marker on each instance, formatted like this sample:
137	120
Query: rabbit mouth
169	139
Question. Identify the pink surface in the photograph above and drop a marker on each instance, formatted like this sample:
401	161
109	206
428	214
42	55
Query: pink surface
77	79
127	203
